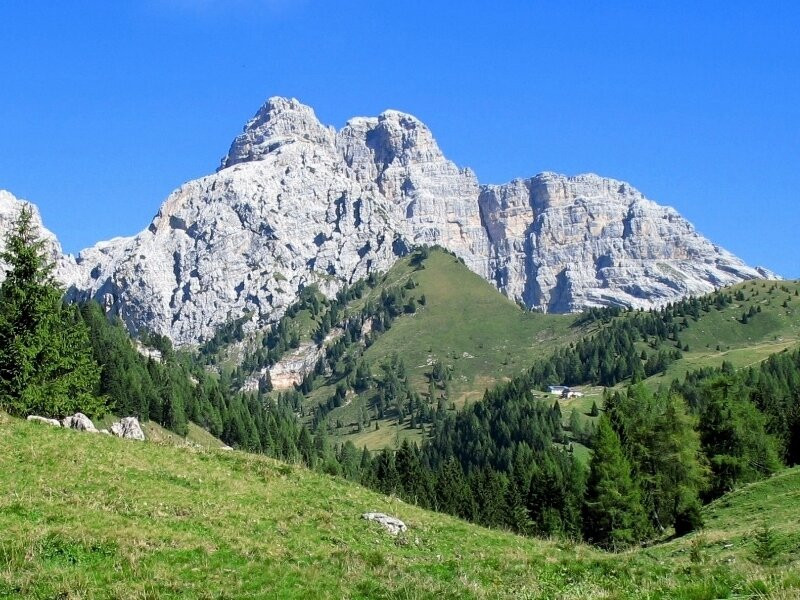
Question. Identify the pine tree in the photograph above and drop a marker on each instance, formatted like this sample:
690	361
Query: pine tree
46	364
680	473
734	438
613	514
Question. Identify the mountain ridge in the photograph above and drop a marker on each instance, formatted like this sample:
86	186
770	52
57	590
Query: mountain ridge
295	202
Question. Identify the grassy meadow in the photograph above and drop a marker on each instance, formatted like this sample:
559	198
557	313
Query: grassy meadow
90	516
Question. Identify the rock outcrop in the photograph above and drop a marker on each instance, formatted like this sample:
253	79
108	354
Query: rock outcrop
392	524
128	428
565	243
296	203
79	422
45	420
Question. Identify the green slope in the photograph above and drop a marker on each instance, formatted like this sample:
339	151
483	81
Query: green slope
484	338
468	324
720	335
88	516
153	432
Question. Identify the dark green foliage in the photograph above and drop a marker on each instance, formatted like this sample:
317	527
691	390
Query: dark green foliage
734	436
46	367
688	518
495	463
613	512
610	356
228	333
660	440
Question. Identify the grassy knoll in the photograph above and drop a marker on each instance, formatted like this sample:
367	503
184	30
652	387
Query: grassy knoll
468	324
89	516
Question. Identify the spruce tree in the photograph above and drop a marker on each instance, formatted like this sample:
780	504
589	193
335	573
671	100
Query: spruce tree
680	473
613	514
734	437
46	364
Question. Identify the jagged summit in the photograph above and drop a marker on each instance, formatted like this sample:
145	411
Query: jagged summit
279	121
296	203
391	135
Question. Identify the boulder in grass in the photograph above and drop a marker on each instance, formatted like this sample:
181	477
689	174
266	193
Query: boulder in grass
79	422
128	428
392	524
38	419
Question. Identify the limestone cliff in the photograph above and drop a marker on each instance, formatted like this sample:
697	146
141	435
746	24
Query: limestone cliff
295	202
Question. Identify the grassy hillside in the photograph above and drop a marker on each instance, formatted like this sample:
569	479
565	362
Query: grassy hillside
466	324
722	335
196	436
482	338
86	516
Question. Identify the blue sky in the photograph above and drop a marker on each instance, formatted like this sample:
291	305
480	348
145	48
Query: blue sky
106	107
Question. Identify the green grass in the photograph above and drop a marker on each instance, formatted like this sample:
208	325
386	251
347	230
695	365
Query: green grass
89	516
466	324
196	436
719	336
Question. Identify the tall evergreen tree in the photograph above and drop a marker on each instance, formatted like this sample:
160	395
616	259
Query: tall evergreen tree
46	364
613	514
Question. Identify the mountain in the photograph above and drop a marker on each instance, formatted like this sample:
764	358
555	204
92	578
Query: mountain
296	203
65	266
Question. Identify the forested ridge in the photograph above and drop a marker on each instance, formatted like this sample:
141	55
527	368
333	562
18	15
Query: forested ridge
503	462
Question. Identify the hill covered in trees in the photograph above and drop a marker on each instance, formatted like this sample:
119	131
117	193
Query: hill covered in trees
430	336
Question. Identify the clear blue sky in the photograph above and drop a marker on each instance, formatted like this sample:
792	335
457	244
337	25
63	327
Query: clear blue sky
105	107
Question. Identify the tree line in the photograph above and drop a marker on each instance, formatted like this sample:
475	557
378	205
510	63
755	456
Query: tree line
501	462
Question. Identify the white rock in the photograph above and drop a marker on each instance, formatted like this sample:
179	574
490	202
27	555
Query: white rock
566	243
297	203
128	428
80	422
392	524
291	369
38	419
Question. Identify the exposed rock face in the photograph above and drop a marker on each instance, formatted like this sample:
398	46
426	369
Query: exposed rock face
80	422
392	524
10	207
297	203
566	243
128	428
293	366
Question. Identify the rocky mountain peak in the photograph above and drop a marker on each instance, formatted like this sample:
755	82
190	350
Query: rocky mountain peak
296	203
278	122
393	138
